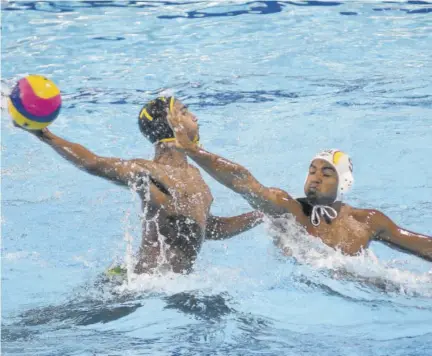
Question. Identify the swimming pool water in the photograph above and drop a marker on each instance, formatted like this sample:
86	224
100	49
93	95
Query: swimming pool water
272	84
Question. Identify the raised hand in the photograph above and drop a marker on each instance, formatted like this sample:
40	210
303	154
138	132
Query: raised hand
183	142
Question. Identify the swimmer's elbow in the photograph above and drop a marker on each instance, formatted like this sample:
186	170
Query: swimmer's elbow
273	201
103	167
243	183
93	165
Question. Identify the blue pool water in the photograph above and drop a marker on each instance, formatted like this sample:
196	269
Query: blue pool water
272	83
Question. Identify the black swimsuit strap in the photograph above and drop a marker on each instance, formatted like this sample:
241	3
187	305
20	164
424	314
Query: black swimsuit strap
307	208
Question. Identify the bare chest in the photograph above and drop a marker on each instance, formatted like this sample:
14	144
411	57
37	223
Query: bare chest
345	233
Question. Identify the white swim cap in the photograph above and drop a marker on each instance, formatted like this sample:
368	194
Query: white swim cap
344	168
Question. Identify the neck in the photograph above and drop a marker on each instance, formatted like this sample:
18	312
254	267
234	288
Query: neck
337	205
167	155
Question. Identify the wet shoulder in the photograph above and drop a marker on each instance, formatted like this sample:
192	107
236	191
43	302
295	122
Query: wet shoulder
194	170
196	173
186	182
189	170
361	215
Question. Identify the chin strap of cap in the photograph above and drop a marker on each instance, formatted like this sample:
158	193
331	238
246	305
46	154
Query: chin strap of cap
172	139
322	210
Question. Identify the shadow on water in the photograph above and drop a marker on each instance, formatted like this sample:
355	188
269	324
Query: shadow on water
236	9
104	310
252	7
203	98
36	321
211	307
85	312
138	97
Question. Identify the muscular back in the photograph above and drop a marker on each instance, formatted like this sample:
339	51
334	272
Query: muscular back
176	204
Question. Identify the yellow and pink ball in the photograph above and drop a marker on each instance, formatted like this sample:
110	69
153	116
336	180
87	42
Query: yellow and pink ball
34	102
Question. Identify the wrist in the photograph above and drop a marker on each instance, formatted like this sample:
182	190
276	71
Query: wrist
192	150
44	135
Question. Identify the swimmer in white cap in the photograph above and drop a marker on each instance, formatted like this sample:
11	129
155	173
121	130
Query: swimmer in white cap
322	212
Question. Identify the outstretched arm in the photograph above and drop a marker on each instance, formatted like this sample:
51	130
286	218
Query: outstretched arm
271	201
387	231
115	169
219	228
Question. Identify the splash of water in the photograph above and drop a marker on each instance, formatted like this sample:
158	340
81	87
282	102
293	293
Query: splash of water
131	258
364	268
162	279
146	223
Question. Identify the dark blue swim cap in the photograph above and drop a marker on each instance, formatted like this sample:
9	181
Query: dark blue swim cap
153	121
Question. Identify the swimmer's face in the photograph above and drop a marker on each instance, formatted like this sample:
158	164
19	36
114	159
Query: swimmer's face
321	183
187	119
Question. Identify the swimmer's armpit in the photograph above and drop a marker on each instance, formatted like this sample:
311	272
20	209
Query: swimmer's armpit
219	228
387	231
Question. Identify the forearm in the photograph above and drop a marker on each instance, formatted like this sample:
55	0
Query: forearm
230	174
387	231
424	252
74	153
419	245
223	228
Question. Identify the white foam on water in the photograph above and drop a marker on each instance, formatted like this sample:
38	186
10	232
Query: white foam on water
365	267
208	278
163	280
214	279
365	270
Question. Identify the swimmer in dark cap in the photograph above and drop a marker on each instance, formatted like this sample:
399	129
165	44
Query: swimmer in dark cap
321	213
175	199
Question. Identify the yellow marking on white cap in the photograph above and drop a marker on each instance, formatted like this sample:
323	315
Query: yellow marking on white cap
337	156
